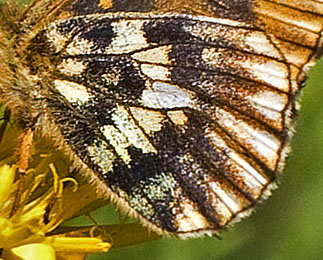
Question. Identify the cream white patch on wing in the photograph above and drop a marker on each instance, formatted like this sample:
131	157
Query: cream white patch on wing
258	178
149	120
178	117
269	103
227	199
241	170
220	207
118	140
155	72
260	44
265	70
269	99
270	71
71	67
72	91
129	37
102	155
158	55
131	132
165	95
261	143
79	46
190	218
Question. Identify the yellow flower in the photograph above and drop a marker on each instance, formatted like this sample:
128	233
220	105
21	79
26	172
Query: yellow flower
23	229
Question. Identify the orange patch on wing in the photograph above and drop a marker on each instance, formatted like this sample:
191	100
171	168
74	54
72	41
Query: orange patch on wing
105	4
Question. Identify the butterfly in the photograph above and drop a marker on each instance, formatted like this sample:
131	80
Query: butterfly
180	111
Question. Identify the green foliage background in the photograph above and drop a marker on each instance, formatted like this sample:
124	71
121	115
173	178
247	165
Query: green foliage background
289	225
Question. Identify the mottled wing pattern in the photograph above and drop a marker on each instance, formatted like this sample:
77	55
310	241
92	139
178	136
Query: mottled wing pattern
182	109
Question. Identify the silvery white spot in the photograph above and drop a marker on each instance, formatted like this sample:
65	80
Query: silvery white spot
165	95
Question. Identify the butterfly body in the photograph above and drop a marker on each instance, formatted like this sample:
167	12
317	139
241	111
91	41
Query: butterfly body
179	111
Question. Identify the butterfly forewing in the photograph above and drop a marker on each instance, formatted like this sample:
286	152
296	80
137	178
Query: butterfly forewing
181	111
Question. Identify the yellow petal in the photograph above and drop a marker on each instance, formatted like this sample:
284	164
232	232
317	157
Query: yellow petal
77	244
12	234
30	251
7	175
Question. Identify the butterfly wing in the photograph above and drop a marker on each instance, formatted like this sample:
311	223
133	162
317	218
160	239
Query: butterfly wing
182	113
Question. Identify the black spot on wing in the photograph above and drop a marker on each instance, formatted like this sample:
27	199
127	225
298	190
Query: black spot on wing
99	109
100	35
167	31
144	169
187	56
239	10
71	25
164	211
112	77
78	129
191	57
117	76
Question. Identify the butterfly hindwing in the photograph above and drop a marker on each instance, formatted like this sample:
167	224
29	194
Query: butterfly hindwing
181	111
